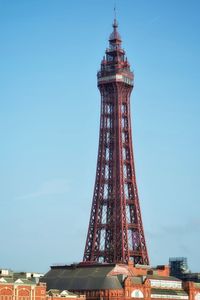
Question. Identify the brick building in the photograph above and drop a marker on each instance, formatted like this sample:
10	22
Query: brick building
21	289
24	289
120	281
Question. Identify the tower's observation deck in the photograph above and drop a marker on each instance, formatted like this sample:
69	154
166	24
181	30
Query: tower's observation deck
114	66
115	231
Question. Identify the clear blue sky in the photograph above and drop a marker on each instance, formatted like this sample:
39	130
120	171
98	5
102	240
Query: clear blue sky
50	52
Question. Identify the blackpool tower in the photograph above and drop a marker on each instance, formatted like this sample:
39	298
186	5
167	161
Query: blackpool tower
115	233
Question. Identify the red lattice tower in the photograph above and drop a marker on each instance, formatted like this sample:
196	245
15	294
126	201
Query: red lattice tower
115	233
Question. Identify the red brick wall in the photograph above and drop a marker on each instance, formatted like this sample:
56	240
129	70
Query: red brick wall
16	291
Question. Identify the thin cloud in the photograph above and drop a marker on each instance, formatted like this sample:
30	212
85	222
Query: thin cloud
193	225
180	230
154	20
57	186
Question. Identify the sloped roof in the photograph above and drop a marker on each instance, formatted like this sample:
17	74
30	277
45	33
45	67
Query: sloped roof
24	281
65	292
169	292
92	277
53	292
137	279
16	280
157	277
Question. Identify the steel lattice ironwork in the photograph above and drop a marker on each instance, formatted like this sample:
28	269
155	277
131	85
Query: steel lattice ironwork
115	231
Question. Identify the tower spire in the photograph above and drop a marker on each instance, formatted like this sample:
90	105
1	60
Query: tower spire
115	12
115	233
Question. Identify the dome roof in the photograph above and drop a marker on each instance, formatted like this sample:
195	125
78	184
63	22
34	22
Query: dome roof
115	34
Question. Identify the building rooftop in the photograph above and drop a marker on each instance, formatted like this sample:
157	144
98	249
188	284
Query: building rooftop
157	277
11	280
168	292
86	277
